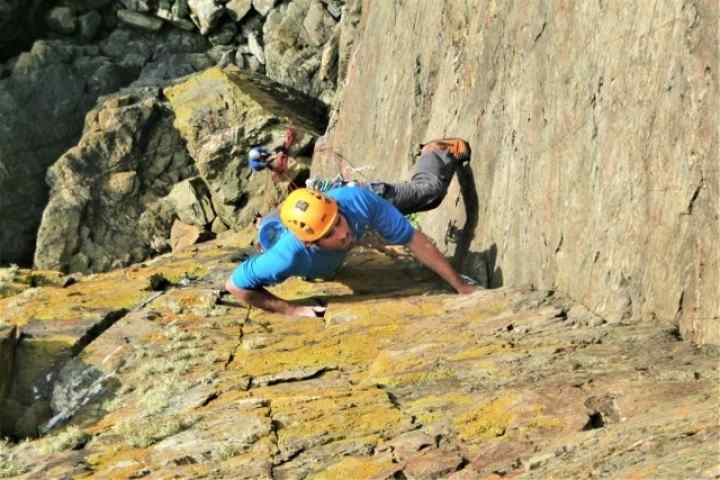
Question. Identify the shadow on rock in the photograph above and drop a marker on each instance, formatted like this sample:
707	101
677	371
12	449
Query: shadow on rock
470	199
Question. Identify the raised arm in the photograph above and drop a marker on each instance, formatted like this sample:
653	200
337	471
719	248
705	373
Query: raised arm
427	253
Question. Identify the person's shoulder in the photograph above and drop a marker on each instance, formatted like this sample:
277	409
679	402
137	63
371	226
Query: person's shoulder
351	194
287	245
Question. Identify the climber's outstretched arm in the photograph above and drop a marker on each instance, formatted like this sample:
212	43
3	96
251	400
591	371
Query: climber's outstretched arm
427	253
261	298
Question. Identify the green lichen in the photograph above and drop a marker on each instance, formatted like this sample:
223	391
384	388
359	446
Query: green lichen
69	439
10	464
145	431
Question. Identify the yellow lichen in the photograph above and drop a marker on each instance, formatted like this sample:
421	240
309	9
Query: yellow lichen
359	468
361	413
431	408
488	421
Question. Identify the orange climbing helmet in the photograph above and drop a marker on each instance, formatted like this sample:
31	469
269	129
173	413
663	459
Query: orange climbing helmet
308	214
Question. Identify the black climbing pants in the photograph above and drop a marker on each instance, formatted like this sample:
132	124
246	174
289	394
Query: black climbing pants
427	186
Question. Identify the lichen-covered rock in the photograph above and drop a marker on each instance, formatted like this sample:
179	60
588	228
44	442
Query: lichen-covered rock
221	114
194	385
111	183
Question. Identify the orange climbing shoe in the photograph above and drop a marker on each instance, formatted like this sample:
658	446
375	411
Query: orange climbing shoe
458	148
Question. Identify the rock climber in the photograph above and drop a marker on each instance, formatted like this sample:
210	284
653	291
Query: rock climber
319	228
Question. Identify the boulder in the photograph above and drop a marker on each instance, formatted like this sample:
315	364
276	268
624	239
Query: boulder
183	235
139	20
205	14
107	205
192	202
46	96
175	13
294	38
90	24
62	20
221	114
162	56
263	7
237	9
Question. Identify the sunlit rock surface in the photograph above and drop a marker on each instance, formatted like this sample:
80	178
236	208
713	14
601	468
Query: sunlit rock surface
594	135
400	376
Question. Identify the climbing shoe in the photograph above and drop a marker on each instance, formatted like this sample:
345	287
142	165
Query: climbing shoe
458	148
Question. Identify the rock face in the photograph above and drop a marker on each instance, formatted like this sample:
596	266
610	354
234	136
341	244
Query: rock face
401	379
303	46
42	104
144	162
595	149
107	193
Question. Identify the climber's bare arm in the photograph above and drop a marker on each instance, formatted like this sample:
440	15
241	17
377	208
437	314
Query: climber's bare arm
427	253
265	300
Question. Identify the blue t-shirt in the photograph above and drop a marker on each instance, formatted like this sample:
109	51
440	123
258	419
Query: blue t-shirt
289	256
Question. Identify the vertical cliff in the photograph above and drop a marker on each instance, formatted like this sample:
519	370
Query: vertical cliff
594	134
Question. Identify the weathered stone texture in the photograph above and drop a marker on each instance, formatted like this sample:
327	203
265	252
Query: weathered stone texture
401	379
108	192
42	104
594	135
221	114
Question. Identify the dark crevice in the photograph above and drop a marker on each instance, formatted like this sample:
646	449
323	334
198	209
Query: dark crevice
695	196
391	397
292	457
96	330
312	376
464	462
229	360
595	421
674	334
212	397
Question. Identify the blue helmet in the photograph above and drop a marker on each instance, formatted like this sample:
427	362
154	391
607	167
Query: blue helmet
258	158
